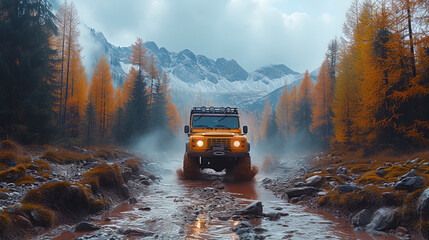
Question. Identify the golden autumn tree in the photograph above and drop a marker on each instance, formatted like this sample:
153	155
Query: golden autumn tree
321	111
346	102
282	113
138	56
293	110
305	102
102	91
71	78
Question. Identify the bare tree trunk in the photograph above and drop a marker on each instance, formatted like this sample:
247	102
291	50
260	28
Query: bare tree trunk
410	34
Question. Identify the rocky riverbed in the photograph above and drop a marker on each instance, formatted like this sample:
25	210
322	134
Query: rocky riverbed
377	196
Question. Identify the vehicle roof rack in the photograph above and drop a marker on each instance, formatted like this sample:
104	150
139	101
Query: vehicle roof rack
221	110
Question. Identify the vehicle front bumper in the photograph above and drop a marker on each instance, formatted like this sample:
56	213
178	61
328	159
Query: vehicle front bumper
218	154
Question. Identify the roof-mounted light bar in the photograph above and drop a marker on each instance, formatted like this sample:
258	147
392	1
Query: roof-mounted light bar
212	109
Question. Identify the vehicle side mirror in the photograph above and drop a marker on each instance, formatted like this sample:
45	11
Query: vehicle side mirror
245	129
186	129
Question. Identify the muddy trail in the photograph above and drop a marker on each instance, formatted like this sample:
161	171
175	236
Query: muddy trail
208	208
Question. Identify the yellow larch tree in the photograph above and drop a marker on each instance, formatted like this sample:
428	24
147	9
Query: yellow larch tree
293	110
282	113
321	112
102	91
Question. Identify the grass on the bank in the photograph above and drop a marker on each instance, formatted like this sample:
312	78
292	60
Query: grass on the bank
108	153
133	164
37	214
70	200
103	175
64	156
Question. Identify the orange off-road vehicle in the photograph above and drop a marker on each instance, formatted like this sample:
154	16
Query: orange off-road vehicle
216	141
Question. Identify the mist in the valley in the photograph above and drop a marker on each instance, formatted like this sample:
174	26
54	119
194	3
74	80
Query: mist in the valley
272	156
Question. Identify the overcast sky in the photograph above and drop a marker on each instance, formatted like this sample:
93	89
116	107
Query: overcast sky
253	32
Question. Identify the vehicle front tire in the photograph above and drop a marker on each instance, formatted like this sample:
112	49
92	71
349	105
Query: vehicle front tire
191	168
242	171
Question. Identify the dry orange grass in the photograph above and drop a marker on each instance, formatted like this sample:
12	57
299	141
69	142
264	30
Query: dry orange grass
39	215
103	175
64	156
134	164
9	145
108	153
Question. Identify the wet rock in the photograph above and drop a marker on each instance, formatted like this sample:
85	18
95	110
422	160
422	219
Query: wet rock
299	191
145	209
135	232
218	185
4	195
383	219
127	173
241	225
347	188
86	227
423	204
380	168
254	208
409	182
299	184
314	181
342	170
295	199
133	200
330	170
415	160
272	216
362	218
267	181
381	173
344	176
145	180
23	221
401	231
53	180
39	179
125	191
224	218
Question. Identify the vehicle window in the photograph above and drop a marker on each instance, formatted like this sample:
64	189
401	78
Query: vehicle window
201	121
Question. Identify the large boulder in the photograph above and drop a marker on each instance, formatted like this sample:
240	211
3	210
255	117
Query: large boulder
299	191
423	205
409	182
362	218
314	181
254	208
383	219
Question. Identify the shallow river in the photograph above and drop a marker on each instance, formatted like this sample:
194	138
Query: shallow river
161	209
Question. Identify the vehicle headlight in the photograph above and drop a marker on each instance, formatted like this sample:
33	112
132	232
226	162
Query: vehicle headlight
200	143
236	143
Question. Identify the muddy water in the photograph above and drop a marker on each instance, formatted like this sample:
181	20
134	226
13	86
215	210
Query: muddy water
168	210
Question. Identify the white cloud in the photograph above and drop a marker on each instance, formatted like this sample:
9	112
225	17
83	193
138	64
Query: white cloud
327	18
295	20
253	32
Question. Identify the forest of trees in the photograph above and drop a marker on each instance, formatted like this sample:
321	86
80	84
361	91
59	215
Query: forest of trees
46	96
373	88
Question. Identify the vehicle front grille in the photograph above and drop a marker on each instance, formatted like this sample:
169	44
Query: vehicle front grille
219	141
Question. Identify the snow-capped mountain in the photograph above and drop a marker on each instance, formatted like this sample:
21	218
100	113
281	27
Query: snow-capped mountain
219	81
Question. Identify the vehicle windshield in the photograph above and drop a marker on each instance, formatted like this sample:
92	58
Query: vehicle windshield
201	121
